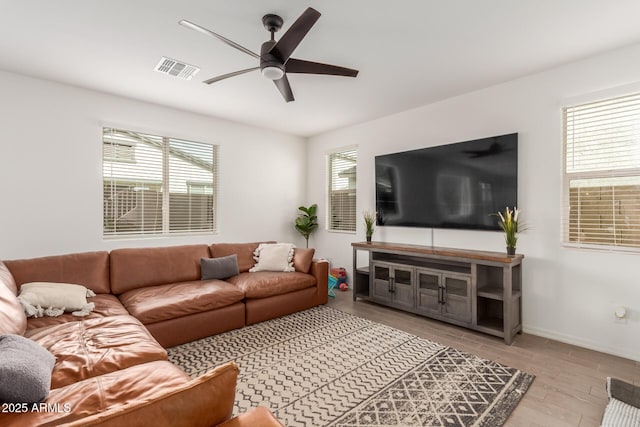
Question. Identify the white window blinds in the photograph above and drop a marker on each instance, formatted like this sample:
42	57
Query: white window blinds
602	173
341	215
155	185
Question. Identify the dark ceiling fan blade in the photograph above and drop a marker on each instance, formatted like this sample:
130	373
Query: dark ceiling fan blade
285	88
294	35
308	67
226	76
203	30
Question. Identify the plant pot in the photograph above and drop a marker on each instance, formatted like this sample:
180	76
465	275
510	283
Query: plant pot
511	250
368	238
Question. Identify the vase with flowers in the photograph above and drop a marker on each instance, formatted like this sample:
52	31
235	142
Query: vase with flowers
369	223
508	221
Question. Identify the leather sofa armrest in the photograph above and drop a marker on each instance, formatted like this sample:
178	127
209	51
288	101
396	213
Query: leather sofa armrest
255	417
320	270
203	401
12	317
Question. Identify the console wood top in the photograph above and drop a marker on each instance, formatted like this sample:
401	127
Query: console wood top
443	252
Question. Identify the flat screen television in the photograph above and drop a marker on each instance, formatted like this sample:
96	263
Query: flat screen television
448	186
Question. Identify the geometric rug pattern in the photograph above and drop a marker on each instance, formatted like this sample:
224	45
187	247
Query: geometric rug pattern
325	367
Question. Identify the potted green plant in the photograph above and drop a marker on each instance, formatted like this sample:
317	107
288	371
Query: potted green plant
508	221
307	221
369	223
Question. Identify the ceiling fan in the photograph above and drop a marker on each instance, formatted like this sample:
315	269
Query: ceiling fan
275	56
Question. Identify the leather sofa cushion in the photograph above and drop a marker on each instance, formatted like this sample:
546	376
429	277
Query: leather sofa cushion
6	278
89	348
142	267
244	251
112	392
203	401
264	284
105	305
302	258
181	330
163	302
89	269
12	317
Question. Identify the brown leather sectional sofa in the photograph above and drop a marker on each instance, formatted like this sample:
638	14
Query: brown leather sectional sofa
111	366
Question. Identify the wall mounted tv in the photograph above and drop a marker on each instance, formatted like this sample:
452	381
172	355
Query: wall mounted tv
448	186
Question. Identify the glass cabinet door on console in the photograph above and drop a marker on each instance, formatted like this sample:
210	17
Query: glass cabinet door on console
429	292
393	284
445	294
381	282
403	286
457	298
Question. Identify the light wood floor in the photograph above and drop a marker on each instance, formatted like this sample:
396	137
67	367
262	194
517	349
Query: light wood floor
569	389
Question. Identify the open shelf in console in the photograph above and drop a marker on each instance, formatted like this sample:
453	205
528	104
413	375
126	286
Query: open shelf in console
417	261
495	292
490	314
361	282
490	282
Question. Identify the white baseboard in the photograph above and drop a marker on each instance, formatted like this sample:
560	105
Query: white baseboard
591	345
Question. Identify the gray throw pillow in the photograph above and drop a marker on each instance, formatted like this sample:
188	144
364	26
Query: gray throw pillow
219	268
25	370
624	391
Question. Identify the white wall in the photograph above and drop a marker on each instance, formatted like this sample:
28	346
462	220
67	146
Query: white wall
569	294
51	165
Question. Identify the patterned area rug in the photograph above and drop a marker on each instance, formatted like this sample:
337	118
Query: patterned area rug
324	367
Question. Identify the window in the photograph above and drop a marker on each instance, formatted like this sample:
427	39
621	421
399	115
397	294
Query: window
154	185
602	173
342	190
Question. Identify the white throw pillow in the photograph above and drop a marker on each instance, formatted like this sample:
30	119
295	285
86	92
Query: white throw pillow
273	257
52	299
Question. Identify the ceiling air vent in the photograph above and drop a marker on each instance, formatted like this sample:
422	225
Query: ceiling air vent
176	68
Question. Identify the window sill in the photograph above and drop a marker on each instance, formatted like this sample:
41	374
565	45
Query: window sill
341	231
121	237
601	248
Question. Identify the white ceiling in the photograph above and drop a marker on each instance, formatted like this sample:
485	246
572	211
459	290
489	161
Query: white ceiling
409	52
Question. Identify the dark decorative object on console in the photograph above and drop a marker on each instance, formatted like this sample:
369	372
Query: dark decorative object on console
369	223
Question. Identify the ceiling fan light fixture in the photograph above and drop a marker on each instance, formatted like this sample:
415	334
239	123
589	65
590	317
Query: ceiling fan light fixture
273	73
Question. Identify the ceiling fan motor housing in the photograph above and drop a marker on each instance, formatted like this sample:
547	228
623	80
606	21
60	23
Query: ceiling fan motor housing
268	60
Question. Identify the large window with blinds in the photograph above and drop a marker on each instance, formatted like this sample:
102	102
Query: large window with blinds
341	172
156	185
602	174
